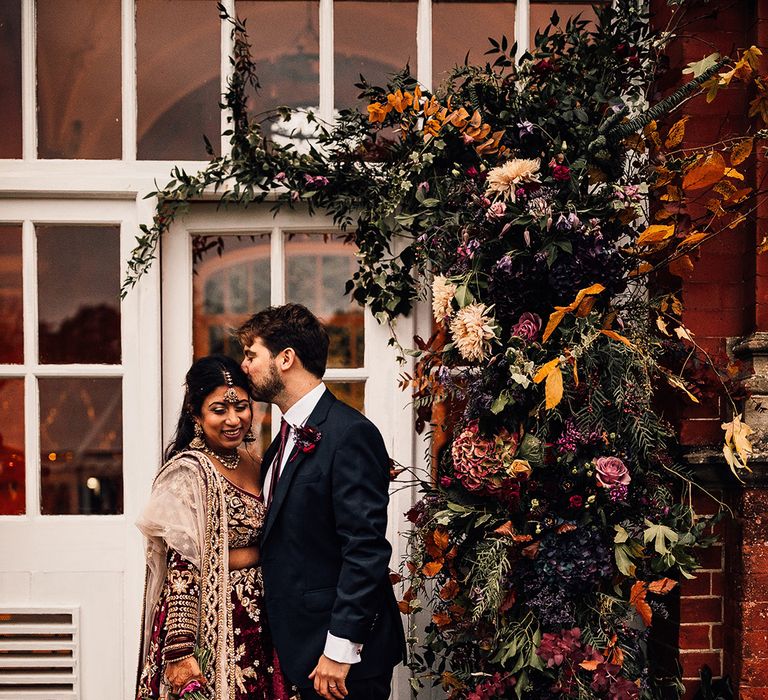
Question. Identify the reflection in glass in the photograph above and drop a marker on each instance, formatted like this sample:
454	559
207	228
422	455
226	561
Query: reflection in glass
178	78
372	38
458	27
317	269
541	14
10	78
352	393
11	303
284	37
78	79
230	284
78	275
81	443
12	476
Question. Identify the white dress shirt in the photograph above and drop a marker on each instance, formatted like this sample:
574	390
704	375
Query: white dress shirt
336	648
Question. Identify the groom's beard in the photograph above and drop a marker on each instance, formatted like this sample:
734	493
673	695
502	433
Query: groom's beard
268	388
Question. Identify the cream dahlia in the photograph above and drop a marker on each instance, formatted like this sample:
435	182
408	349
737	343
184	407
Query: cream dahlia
473	329
505	179
442	296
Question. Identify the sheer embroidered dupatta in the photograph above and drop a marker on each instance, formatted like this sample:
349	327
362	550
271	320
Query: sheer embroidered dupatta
187	512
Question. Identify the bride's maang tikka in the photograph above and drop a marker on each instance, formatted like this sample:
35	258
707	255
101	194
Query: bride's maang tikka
230	395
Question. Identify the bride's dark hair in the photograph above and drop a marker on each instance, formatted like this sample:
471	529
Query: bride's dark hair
205	375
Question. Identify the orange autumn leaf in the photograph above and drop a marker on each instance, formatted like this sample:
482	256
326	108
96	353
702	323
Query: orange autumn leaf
560	311
409	595
441	619
544	370
676	133
404	606
725	189
741	151
449	590
394	577
662	586
613	335
505	529
441	539
656	233
693	239
432	568
641	269
590	664
637	600
553	389
682	266
705	172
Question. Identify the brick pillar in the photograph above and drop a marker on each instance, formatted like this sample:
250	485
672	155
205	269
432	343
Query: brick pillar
724	611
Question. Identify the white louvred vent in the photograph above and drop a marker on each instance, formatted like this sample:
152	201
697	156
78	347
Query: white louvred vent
39	653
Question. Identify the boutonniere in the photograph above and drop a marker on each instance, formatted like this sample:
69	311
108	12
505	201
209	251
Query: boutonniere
307	438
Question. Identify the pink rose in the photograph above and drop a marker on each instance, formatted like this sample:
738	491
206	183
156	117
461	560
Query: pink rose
610	471
496	210
527	326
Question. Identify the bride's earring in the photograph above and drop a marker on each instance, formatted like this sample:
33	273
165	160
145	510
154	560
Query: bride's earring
197	442
249	436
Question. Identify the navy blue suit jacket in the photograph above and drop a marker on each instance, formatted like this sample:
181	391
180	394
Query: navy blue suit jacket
324	553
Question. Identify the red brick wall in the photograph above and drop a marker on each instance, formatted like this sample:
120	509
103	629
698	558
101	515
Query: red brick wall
724	611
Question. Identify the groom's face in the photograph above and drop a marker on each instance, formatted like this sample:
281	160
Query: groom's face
260	366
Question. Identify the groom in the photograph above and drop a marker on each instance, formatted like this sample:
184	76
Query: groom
324	555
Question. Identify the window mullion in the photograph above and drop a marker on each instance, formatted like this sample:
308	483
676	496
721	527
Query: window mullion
424	43
227	69
31	399
28	80
522	26
128	69
325	48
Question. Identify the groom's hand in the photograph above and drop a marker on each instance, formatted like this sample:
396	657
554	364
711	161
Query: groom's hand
330	678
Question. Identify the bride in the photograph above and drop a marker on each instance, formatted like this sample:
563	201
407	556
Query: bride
203	603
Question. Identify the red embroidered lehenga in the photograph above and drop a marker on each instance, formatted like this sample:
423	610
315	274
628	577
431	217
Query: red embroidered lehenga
193	518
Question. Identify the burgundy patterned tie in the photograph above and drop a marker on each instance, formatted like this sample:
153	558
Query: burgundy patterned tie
278	463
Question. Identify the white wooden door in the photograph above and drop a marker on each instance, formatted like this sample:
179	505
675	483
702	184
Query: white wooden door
265	260
78	444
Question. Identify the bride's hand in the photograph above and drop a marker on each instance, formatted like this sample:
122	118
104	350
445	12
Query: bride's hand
181	672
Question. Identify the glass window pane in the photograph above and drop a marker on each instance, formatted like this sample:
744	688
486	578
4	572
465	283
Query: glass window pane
10	78
317	269
78	277
178	48
78	79
352	393
230	284
458	27
81	446
284	37
372	38
541	13
12	476
11	302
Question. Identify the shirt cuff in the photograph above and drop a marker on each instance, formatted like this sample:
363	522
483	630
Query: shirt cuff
342	650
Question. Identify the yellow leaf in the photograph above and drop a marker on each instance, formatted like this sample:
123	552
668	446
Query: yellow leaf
651	132
663	176
693	239
545	369
553	389
554	321
737	441
678	384
641	269
676	133
741	151
752	57
560	311
735	174
661	325
683	333
712	86
725	189
705	172
740	219
656	234
681	267
613	335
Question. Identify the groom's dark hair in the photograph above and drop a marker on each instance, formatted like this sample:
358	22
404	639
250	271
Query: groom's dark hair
289	326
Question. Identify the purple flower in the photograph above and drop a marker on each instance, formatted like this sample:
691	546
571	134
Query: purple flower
316	180
504	264
472	171
525	128
423	187
527	326
618	493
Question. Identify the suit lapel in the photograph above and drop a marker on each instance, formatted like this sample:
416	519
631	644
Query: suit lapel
315	420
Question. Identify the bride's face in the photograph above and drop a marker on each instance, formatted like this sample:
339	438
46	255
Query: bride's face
224	423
